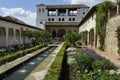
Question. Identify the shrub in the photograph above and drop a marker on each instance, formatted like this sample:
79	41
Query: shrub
55	69
84	62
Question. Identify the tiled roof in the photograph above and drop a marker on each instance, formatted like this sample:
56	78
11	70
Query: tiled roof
69	24
17	21
65	6
68	6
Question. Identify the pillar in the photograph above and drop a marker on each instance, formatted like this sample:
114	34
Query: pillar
66	12
108	14
14	34
56	12
88	38
6	36
118	8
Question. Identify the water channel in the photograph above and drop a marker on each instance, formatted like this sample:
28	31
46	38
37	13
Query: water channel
21	71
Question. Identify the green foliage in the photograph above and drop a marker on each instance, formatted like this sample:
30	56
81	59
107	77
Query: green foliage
85	62
15	55
38	34
72	37
97	75
102	64
55	69
91	37
87	67
118	38
101	21
118	1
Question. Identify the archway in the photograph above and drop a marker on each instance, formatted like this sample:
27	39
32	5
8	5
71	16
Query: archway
61	33
2	37
53	34
10	36
18	36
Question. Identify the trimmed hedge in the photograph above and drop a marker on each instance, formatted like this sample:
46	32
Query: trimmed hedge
55	69
15	55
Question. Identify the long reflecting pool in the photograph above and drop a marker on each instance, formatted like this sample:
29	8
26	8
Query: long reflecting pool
21	71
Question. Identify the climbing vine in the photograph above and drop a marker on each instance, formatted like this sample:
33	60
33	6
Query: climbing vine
91	37
101	21
118	38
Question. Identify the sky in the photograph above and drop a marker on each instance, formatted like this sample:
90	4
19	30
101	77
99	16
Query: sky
25	10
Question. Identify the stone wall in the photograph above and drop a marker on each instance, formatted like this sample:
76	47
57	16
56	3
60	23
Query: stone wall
111	36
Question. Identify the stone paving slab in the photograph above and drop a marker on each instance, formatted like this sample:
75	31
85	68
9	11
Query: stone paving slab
18	61
41	70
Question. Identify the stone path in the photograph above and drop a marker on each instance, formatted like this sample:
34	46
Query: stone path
18	61
41	70
114	59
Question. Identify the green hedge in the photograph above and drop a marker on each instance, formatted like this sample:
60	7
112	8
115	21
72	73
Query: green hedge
15	55
55	69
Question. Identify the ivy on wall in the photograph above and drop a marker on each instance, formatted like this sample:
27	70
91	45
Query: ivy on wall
118	38
101	21
91	37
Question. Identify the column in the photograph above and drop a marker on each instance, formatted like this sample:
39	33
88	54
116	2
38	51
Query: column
66	12
14	34
118	8
56	12
108	14
20	36
6	36
88	38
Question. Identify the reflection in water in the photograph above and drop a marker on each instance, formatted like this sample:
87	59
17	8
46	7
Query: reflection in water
23	70
32	63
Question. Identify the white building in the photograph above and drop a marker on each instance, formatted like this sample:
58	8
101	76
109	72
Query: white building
12	31
59	19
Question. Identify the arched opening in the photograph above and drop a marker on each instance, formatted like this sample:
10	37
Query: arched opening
91	37
53	34
18	36
2	37
17	33
61	33
10	36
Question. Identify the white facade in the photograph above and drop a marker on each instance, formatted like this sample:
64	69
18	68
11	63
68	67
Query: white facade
88	24
56	13
12	33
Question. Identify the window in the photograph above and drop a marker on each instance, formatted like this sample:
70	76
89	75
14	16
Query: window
83	13
39	9
52	19
41	22
73	19
62	19
59	19
52	12
69	19
42	9
72	12
49	19
62	12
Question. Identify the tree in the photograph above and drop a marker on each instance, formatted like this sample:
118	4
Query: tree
72	37
101	21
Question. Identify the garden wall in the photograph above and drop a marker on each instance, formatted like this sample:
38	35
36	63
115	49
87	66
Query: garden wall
111	35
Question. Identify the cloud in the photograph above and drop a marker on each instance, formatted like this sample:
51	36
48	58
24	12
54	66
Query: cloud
26	16
87	2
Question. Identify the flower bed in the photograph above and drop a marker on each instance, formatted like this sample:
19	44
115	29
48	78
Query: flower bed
90	66
12	56
55	69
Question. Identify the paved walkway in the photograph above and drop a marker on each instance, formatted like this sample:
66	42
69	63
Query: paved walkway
114	59
41	70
